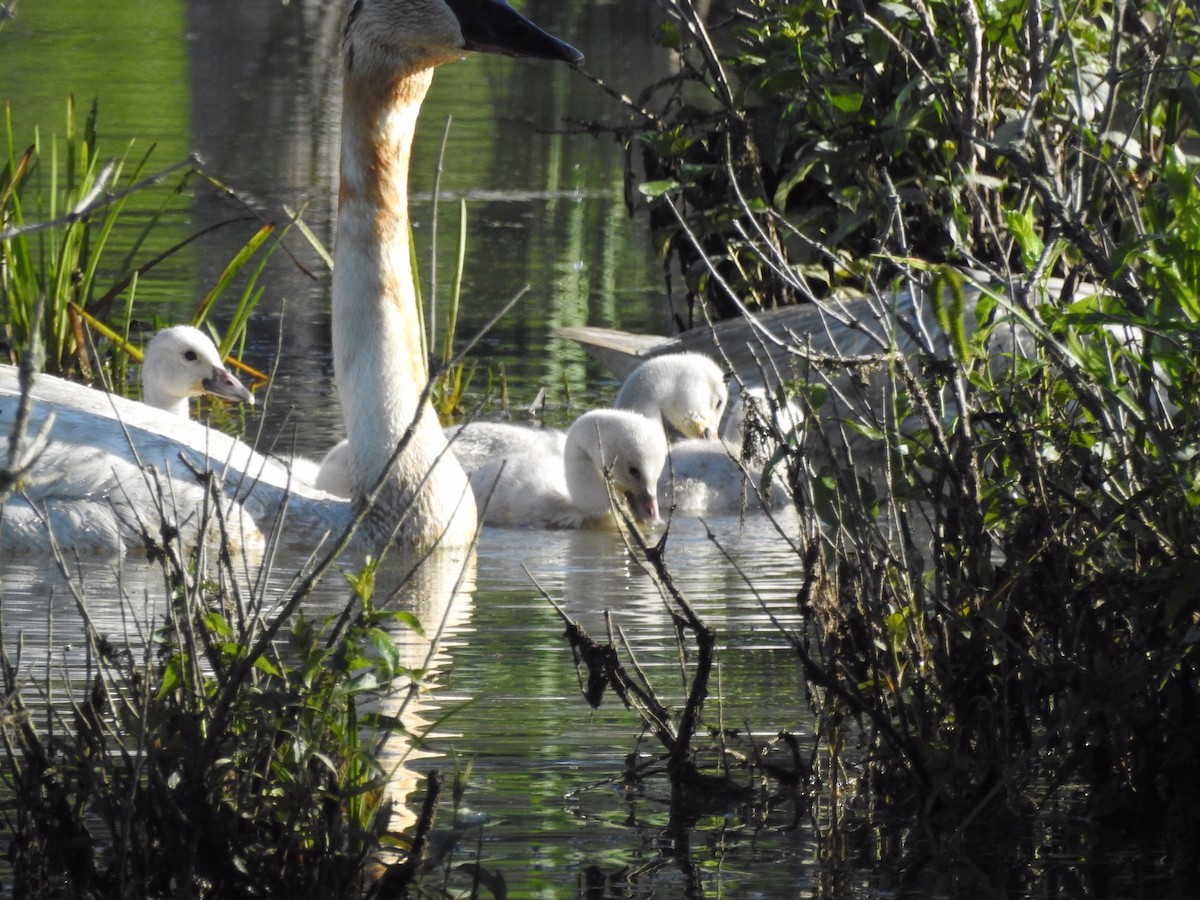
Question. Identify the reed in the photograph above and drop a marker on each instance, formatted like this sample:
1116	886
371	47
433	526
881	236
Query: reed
61	202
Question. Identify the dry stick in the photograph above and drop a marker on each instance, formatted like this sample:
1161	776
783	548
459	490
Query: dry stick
258	216
82	210
21	459
712	59
1075	230
659	712
438	169
604	668
679	764
397	878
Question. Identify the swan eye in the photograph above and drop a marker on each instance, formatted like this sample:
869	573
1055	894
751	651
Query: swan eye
190	356
635	471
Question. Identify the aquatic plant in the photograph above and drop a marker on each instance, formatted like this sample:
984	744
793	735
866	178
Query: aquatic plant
239	747
61	204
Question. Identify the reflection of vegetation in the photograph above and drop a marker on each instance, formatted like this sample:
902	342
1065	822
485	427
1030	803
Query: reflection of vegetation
1012	619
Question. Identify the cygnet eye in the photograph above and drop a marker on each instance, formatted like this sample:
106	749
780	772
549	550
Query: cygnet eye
190	355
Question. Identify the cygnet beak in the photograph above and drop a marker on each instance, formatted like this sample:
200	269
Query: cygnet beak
644	506
221	384
700	427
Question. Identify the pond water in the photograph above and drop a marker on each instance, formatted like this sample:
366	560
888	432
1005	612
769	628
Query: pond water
506	696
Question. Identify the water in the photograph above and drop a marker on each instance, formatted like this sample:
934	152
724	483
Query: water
250	89
504	690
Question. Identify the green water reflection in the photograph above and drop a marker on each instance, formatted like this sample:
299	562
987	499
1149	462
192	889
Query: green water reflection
131	57
131	60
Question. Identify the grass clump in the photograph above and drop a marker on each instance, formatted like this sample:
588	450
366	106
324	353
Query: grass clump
69	246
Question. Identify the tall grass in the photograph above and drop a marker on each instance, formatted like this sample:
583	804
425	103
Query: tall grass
61	202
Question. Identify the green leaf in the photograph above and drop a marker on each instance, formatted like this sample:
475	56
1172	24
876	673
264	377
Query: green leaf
652	190
845	99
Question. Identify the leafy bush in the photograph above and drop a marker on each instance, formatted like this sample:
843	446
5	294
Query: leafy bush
826	134
1000	600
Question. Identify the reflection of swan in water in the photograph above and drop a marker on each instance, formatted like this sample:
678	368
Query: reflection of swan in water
571	489
390	51
439	593
131	602
182	362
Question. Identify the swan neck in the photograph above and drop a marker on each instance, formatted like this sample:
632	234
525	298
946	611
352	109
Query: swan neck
379	358
160	399
585	475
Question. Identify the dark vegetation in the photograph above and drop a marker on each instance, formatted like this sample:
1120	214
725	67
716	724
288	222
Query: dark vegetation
1001	607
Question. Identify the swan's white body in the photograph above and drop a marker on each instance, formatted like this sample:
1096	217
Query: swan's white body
765	348
688	392
704	477
390	50
332	475
686	389
90	482
476	444
570	489
88	494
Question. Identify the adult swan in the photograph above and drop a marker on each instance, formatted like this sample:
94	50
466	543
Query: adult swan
390	49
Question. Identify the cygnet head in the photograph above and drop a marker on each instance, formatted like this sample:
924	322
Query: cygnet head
617	446
182	362
687	390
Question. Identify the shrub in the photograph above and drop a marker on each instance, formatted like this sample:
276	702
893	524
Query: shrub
1001	551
